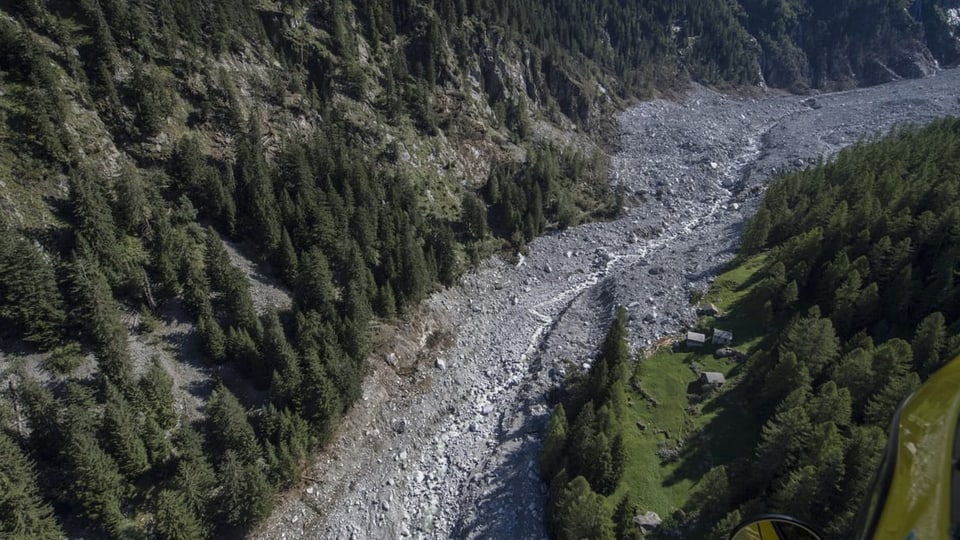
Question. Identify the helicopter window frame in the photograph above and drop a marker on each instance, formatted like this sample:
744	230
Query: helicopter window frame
955	485
872	508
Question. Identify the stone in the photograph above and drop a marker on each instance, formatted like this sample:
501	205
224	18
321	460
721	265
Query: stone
441	364
648	522
724	352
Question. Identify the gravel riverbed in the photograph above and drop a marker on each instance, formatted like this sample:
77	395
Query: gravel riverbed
444	442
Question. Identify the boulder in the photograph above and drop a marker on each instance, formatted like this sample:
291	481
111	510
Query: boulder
708	310
724	352
647	523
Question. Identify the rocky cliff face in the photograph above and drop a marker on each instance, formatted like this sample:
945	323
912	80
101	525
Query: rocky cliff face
809	46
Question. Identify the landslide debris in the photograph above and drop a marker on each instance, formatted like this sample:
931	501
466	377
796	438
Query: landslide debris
448	447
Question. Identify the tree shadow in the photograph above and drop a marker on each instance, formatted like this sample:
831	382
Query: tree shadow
733	430
725	438
515	506
185	345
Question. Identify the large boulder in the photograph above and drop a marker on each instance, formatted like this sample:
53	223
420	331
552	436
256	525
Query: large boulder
647	523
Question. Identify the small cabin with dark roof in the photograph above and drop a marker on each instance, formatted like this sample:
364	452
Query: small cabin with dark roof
712	378
722	337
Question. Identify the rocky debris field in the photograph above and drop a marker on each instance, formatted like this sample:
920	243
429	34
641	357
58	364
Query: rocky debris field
445	441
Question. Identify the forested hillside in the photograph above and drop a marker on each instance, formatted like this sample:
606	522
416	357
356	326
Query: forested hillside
861	295
853	291
360	152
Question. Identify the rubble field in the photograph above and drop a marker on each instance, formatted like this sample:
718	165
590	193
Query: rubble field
445	440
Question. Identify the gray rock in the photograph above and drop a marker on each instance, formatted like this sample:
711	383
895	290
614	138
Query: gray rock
647	523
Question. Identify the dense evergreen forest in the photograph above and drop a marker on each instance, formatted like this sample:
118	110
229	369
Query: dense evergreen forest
325	142
861	292
859	302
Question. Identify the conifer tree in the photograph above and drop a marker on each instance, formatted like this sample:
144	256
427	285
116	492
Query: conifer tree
713	493
277	351
23	512
173	518
95	482
322	402
783	441
80	411
257	203
100	316
156	442
580	513
245	496
414	280
121	434
238	304
196	287
216	260
928	342
167	258
43	414
814	340
195	478
31	306
156	386
287	259
725	527
787	375
315	289
600	471
229	428
831	404
582	441
242	351
854	372
386	301
473	216
445	254
554	443
624	527
214	340
94	222
132	210
882	405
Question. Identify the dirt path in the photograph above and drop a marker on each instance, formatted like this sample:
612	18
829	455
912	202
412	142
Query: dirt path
449	448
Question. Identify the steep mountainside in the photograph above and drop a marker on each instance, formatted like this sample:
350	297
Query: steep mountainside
205	204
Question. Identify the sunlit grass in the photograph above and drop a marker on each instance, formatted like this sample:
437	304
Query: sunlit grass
711	432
